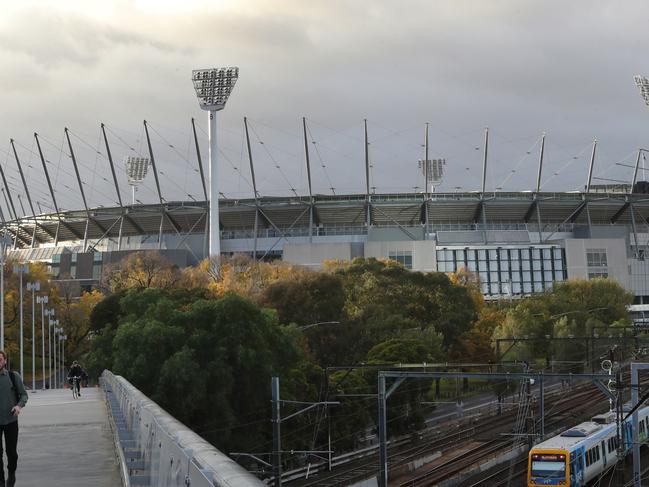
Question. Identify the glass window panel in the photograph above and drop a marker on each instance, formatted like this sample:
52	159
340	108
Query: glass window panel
525	254
484	288
547	264
558	276
482	254
557	253
516	277
483	277
538	276
495	289
527	287
527	277
525	265
538	287
504	265
493	276
558	264
459	255
536	254
440	255
516	287
472	266
536	265
493	254
547	276
482	265
516	265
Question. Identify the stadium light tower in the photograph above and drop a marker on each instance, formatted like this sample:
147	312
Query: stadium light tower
136	169
213	87
433	171
642	82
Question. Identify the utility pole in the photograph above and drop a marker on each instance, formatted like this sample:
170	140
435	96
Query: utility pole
277	421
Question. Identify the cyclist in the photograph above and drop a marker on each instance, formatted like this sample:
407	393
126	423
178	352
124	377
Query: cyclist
78	372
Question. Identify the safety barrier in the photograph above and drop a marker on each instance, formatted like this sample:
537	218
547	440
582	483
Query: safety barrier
157	450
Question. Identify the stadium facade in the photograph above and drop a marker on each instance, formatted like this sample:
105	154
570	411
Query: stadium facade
518	243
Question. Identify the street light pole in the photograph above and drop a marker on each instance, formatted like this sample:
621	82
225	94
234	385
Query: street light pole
20	270
63	340
43	301
54	347
33	287
49	312
5	241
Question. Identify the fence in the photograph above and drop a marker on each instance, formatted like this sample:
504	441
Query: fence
156	450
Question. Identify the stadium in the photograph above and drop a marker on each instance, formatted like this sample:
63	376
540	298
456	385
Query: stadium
516	242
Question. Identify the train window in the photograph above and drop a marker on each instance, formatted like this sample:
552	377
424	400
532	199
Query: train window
597	452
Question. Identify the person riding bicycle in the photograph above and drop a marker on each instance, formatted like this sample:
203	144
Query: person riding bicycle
79	373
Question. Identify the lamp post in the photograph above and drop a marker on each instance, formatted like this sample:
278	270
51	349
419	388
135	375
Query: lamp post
213	87
55	330
33	287
62	339
43	301
20	270
5	241
49	312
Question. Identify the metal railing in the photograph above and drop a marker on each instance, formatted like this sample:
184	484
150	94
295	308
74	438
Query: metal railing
160	451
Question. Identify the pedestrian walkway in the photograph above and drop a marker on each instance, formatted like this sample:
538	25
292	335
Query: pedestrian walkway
65	442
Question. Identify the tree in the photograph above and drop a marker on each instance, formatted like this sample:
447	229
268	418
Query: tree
208	362
242	275
141	270
383	299
75	318
314	301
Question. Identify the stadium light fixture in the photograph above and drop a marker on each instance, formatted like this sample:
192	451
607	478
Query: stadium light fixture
213	87
434	171
136	169
642	82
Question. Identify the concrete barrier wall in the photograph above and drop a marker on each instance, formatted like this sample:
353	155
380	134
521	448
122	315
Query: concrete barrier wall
160	451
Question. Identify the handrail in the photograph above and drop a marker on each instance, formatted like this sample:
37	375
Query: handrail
172	454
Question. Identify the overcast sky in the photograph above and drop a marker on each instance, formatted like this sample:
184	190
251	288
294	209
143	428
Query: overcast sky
518	67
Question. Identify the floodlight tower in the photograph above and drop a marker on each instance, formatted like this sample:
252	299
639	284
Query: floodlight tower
642	82
136	169
213	87
433	171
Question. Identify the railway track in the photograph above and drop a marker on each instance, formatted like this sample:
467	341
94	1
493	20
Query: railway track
439	446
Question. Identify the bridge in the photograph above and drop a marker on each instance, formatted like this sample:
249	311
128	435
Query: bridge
115	436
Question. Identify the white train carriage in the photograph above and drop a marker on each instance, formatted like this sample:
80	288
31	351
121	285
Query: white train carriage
581	453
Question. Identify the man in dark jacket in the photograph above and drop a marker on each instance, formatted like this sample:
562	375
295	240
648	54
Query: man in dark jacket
13	398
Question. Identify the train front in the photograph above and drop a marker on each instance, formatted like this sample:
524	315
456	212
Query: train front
547	467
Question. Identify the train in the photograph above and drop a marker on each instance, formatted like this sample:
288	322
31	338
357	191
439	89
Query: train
582	453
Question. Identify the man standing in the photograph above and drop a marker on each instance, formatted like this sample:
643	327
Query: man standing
13	398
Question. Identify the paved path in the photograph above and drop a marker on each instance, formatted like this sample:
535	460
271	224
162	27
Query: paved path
65	442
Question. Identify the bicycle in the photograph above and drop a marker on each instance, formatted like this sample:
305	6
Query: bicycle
76	389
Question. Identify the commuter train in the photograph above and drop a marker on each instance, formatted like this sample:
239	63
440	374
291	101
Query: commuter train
580	454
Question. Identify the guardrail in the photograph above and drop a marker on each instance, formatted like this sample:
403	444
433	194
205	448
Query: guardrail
158	450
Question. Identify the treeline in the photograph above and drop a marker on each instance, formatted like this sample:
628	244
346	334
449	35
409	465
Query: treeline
204	342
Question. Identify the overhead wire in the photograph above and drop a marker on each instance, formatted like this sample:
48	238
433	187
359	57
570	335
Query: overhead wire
272	158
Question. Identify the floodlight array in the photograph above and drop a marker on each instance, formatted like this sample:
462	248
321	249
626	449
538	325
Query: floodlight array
643	85
434	169
213	86
136	169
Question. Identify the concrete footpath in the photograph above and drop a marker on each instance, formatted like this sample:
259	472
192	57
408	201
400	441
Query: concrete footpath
65	442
